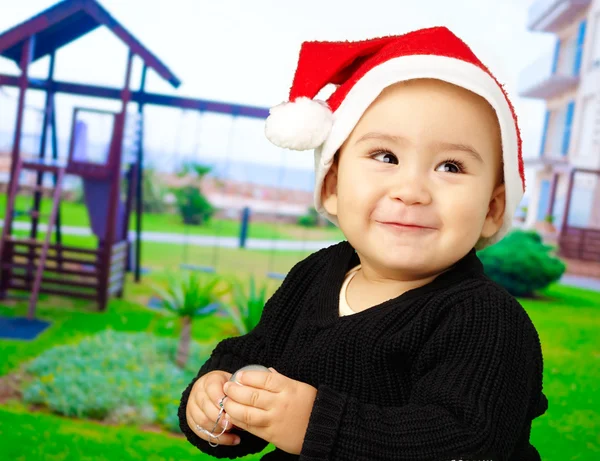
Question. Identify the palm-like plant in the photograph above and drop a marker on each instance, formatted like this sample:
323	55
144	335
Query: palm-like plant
188	299
193	205
247	306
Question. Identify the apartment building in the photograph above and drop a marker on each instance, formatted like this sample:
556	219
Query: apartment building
568	79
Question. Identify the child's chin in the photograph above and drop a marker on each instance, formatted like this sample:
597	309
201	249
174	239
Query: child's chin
407	263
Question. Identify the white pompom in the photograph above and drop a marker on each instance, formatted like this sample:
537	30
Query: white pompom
300	125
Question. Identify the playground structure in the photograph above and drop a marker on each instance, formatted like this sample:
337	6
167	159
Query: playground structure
575	241
85	273
40	266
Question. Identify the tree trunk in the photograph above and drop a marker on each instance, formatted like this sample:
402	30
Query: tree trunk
183	350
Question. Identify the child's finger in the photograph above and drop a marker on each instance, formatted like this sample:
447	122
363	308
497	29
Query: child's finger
203	431
214	397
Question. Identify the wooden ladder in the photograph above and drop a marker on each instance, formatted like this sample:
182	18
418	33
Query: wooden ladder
41	167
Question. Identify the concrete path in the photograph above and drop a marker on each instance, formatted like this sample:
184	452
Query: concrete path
589	283
199	240
263	244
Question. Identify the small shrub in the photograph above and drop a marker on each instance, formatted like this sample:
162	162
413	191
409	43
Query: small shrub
193	206
311	219
522	263
117	377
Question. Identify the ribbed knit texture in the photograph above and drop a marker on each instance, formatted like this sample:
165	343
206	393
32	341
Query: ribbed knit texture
449	370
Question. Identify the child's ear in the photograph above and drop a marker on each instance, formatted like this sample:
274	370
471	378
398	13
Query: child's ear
495	216
329	190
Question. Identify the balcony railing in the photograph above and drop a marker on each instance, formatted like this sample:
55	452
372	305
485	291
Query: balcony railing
555	160
545	78
551	15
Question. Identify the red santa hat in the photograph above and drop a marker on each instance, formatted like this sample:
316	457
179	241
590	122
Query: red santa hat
360	71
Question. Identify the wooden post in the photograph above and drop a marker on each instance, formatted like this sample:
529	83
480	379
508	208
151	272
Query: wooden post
37	197
565	220
54	145
569	196
550	210
139	196
26	55
6	256
116	151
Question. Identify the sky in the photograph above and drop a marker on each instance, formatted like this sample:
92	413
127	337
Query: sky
246	52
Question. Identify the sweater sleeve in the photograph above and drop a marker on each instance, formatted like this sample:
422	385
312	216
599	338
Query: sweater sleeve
474	381
235	352
229	355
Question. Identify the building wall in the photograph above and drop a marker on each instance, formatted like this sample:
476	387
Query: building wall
584	144
595	212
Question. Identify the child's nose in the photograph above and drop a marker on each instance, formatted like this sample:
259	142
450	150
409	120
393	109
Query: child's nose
410	189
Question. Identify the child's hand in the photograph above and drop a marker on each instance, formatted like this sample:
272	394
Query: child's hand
271	406
202	406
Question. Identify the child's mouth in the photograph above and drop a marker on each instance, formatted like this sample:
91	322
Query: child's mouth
405	227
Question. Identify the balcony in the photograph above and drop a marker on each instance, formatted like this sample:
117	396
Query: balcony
544	79
555	162
551	15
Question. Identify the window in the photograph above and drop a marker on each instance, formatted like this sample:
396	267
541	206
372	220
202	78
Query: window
558	133
544	199
566	140
579	47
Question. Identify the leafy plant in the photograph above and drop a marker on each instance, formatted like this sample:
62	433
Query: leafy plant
522	263
196	296
194	169
549	218
311	219
248	304
113	376
192	203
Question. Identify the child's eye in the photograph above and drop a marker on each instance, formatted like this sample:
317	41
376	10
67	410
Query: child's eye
385	156
457	164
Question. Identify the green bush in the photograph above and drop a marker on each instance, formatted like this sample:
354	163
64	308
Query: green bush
117	377
522	263
193	205
311	219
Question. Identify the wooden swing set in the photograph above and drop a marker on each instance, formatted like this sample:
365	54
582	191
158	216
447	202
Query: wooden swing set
111	181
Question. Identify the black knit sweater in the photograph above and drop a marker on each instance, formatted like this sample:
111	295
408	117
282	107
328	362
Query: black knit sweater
448	370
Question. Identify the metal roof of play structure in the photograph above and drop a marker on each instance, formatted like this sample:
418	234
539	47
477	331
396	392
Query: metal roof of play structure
67	21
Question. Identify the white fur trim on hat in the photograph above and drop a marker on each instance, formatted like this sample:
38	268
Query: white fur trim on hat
299	125
451	70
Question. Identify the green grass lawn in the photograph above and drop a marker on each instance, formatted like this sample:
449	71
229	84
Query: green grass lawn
75	214
566	318
41	437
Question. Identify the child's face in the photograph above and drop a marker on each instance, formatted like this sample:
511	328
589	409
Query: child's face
398	165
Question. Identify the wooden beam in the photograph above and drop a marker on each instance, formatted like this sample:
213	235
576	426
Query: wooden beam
22	84
143	97
139	190
53	246
550	209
